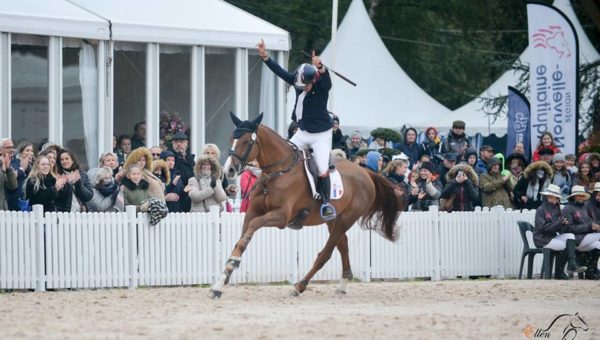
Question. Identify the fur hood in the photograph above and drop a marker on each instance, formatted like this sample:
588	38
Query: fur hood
467	169
162	165
216	167
533	167
136	155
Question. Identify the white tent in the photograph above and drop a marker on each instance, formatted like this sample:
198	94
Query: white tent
473	114
385	95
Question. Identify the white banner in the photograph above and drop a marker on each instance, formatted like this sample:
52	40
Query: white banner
553	54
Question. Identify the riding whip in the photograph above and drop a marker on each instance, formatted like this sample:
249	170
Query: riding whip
329	68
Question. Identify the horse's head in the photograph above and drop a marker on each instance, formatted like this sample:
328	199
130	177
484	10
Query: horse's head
242	149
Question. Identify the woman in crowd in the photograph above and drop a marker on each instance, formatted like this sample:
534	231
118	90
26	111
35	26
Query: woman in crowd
135	188
338	140
546	142
585	229
551	231
107	194
425	191
396	171
433	146
26	153
594	160
143	159
562	177
247	180
410	147
123	148
495	188
51	155
374	161
173	189
462	189
212	150
527	192
583	177
205	188
41	186
471	158
111	161
77	191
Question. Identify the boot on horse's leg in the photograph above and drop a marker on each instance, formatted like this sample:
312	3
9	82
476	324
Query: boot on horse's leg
217	289
299	288
327	210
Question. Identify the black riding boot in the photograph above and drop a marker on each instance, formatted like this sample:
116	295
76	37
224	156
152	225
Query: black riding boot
327	210
592	265
572	266
559	271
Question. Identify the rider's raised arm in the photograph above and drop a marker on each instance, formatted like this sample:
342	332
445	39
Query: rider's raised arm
324	82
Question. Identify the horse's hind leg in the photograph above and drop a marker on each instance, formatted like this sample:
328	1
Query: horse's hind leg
342	247
272	218
324	256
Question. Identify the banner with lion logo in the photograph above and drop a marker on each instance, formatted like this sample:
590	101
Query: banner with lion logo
553	54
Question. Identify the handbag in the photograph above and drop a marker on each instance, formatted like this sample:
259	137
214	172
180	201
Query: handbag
228	206
446	204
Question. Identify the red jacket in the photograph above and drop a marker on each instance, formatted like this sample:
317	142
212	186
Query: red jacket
247	180
536	155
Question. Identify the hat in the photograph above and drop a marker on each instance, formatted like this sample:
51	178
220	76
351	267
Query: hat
428	166
596	187
167	153
552	190
458	124
491	162
546	151
402	156
179	135
577	190
558	157
487	148
450	156
336	119
514	156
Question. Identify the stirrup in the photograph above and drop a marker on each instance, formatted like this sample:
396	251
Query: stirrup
328	212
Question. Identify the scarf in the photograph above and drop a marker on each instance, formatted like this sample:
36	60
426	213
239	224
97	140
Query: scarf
107	190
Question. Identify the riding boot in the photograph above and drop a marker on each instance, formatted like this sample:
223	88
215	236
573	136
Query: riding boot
572	266
327	210
559	271
592	265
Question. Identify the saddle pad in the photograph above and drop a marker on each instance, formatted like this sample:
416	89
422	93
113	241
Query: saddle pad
337	187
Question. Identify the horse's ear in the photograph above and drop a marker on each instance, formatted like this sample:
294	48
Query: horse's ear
258	119
235	119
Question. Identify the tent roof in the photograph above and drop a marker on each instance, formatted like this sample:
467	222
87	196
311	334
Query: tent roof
385	96
472	113
50	17
192	22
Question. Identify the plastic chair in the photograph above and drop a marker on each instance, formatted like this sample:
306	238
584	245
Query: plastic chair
530	250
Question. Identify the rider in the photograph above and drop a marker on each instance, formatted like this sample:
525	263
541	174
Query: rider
312	84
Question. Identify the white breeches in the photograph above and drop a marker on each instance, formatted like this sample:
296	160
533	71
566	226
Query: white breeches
559	243
320	143
590	242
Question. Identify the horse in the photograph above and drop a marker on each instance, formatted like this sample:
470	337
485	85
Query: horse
282	197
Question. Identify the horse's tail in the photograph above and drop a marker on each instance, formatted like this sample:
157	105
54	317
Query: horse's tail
385	210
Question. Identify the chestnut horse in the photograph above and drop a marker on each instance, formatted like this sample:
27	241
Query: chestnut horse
282	193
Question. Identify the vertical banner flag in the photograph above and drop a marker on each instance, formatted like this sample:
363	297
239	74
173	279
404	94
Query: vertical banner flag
554	55
519	129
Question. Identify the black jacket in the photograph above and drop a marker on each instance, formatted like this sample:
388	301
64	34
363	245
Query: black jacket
580	222
46	194
84	191
548	224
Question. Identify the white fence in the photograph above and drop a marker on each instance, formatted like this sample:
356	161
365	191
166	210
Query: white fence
88	250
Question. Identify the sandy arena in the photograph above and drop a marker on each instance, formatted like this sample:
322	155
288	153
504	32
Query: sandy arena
504	309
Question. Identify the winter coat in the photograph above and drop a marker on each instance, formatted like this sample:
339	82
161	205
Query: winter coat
247	180
548	224
580	222
107	197
403	185
156	188
315	116
338	140
592	207
13	196
435	148
457	144
495	191
563	181
46	194
135	194
466	194
536	152
206	191
413	150
525	183
433	192
82	190
8	181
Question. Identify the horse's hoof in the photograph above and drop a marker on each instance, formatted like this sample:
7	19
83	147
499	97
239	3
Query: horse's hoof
294	293
214	294
340	291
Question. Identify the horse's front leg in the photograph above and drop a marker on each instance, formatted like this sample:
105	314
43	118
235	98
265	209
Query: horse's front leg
251	225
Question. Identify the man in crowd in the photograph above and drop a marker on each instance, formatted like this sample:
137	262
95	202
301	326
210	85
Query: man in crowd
447	164
7	148
457	141
8	177
354	143
485	154
184	164
138	139
546	155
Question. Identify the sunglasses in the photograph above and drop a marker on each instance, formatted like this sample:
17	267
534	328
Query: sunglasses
156	154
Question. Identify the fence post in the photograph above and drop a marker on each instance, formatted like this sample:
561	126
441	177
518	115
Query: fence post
435	225
365	245
133	252
40	256
498	212
293	257
215	221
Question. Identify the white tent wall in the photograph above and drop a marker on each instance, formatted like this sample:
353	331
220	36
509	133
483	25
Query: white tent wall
385	95
473	113
198	27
